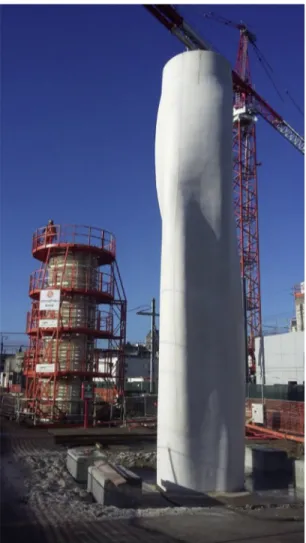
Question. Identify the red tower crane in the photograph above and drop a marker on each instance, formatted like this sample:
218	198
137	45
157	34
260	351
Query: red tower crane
247	106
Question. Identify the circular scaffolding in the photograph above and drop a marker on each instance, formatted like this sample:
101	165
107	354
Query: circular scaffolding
77	300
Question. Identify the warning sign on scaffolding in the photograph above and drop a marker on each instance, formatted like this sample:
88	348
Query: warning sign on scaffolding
49	300
47	323
45	368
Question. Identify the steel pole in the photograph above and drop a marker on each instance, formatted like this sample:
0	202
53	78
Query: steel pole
247	376
152	355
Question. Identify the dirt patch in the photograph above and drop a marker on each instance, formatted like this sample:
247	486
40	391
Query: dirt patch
293	449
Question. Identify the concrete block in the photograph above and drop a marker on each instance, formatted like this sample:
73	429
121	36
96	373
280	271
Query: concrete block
299	474
112	485
266	460
79	460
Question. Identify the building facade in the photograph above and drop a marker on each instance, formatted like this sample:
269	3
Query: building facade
280	359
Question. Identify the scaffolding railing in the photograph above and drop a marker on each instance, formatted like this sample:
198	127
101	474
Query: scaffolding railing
79	235
92	282
98	323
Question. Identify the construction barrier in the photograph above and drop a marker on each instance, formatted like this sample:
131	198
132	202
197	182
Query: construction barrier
72	412
280	415
106	394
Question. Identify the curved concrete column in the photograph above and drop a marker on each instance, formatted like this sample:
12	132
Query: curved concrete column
201	357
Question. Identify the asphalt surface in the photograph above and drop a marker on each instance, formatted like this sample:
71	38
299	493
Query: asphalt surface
212	525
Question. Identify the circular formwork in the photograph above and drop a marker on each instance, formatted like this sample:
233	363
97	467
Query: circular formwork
91	282
75	238
72	319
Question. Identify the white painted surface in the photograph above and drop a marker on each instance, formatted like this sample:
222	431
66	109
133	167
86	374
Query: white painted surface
201	357
284	358
106	367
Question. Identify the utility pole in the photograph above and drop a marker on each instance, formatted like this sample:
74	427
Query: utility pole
153	316
2	352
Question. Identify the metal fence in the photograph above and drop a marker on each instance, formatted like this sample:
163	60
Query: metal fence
64	412
291	392
283	406
280	415
140	407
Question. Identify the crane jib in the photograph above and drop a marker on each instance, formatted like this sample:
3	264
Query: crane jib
176	24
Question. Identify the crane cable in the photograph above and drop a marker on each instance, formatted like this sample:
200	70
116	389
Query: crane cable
294	103
262	59
267	68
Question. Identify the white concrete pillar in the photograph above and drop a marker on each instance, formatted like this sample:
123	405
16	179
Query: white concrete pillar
201	358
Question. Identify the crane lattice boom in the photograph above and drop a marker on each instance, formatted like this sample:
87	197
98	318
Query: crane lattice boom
175	23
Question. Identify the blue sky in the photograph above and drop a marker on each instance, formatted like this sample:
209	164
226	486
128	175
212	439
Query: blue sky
80	92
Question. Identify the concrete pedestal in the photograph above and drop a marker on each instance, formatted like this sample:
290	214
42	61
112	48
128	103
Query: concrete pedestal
79	460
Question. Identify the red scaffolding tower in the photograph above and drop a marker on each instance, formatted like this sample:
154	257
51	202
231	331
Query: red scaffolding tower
73	340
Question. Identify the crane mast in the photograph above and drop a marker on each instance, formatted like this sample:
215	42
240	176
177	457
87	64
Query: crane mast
248	105
246	195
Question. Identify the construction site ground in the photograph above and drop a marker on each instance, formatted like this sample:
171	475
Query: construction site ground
292	448
47	505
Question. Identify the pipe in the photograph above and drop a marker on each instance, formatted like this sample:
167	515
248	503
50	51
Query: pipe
279	435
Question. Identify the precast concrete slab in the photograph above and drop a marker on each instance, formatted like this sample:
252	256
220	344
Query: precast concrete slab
79	460
111	486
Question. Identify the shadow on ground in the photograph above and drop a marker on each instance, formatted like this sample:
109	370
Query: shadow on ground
214	524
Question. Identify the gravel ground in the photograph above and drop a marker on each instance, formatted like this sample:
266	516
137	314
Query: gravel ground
47	480
36	482
35	478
